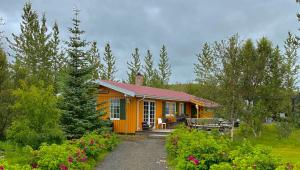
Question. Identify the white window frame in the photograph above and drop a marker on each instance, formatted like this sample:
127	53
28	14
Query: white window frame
171	108
181	108
115	105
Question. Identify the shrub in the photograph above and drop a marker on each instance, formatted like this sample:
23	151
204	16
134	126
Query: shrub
38	117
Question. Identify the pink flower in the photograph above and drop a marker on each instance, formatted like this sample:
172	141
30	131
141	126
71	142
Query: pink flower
1	167
196	161
83	159
34	165
63	167
191	158
70	159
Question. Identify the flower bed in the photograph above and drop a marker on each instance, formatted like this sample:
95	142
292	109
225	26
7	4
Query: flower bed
82	153
191	149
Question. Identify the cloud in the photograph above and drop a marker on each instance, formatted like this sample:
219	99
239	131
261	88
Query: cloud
183	26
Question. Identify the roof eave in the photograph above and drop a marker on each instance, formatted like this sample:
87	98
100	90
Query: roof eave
116	88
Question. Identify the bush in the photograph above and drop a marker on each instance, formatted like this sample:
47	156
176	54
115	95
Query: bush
191	149
196	150
38	117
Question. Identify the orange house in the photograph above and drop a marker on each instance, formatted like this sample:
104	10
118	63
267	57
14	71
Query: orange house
128	105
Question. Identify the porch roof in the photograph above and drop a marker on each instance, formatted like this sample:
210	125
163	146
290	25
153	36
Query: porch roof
156	93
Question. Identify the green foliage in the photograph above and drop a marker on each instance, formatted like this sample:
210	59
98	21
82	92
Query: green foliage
191	149
82	153
6	98
95	62
109	64
164	67
38	117
35	49
79	93
134	66
148	69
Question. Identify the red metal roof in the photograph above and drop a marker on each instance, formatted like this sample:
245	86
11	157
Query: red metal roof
157	93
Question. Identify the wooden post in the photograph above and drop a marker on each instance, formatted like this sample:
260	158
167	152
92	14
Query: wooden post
197	108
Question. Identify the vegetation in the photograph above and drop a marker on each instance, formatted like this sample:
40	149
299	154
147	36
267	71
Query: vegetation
82	153
192	149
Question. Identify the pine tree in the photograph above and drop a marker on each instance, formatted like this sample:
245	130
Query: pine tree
33	48
134	66
79	95
164	67
6	98
58	60
95	61
109	64
148	69
204	69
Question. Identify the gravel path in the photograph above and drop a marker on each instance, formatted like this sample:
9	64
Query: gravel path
136	154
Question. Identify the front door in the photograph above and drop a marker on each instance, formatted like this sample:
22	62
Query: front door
149	113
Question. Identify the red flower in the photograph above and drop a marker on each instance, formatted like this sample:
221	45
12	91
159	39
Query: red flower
70	159
34	165
63	167
92	142
191	158
83	159
1	167
196	161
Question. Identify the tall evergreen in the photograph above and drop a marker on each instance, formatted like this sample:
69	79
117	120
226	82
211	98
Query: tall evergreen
110	68
95	61
148	69
134	66
79	94
164	66
33	48
204	69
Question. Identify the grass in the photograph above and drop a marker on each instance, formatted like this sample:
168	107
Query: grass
288	149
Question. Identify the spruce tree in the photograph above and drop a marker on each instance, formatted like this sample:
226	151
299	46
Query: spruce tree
32	48
164	67
148	69
79	94
109	64
134	66
95	61
206	64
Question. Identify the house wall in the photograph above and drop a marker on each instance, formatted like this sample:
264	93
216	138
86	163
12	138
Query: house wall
120	126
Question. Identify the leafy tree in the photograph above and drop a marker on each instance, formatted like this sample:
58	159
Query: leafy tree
6	98
109	64
94	60
164	67
79	93
204	69
134	66
148	69
38	117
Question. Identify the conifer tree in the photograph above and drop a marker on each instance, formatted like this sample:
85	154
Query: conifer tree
79	94
134	66
109	64
148	69
33	48
95	61
164	67
204	69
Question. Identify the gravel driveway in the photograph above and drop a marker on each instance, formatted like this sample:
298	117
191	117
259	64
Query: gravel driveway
136	153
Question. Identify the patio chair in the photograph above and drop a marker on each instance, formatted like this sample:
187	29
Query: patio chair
161	123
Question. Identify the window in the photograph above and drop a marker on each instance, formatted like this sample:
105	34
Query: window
170	108
115	109
181	108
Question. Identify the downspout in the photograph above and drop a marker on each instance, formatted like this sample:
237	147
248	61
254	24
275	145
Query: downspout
137	112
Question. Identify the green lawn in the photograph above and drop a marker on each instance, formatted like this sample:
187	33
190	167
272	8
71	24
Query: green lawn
287	149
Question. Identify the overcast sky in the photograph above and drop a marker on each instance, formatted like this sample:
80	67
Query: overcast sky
182	25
